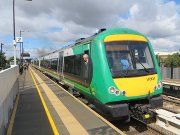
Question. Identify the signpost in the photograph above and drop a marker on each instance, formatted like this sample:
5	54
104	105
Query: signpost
20	41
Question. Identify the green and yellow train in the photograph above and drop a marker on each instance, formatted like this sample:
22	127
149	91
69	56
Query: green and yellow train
120	76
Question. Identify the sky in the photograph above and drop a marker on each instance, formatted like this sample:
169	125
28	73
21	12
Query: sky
51	24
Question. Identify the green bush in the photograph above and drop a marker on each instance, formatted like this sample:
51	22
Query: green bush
2	61
173	60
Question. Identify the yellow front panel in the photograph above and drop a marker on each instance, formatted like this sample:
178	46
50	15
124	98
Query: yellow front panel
125	37
137	86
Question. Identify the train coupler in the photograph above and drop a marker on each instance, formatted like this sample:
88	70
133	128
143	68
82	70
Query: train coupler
142	113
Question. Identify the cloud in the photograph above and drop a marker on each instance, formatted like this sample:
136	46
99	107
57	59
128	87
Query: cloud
155	18
38	52
61	21
165	44
41	51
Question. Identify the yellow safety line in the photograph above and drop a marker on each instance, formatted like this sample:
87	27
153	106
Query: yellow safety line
95	113
70	122
51	121
11	123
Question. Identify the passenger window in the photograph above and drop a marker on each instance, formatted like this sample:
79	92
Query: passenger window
79	67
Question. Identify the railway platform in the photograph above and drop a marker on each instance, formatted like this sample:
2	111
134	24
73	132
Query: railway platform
172	82
43	107
171	87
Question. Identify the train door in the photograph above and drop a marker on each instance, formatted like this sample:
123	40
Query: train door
39	63
61	64
85	69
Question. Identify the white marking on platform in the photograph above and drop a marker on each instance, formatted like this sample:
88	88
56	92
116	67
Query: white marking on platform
168	120
171	83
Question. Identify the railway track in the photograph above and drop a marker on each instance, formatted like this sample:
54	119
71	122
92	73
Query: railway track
168	120
171	99
171	104
171	90
134	126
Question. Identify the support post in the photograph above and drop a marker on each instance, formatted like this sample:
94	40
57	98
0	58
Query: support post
14	32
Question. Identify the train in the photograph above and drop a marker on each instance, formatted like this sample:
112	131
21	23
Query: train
115	69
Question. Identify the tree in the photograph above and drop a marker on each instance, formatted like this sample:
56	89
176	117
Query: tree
12	59
173	60
2	60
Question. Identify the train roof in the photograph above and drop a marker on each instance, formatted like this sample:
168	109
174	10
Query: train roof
77	42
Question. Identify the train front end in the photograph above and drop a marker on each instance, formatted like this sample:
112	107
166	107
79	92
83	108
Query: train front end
130	73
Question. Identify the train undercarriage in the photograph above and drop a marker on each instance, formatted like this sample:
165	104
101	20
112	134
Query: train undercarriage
142	110
145	112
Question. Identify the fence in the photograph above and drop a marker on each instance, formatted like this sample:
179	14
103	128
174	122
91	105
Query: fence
170	73
9	86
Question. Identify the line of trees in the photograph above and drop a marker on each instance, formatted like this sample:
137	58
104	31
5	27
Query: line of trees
2	61
173	60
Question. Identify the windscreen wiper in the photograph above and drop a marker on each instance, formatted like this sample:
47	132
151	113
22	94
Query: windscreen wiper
136	59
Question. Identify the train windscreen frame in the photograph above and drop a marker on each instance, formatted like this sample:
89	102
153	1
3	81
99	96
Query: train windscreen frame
129	58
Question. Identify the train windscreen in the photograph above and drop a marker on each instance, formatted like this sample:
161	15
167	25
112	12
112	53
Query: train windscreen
129	58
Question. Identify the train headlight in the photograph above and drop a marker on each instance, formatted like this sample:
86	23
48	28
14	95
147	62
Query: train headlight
117	92
123	92
159	85
112	90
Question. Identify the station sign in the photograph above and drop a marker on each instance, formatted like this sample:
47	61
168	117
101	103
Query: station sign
25	54
19	39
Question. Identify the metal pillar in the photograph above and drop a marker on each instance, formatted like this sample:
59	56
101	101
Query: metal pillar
14	32
1	47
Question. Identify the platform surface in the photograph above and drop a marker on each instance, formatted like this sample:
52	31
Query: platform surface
45	108
173	82
30	117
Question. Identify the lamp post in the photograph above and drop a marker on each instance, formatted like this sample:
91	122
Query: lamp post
1	47
14	31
